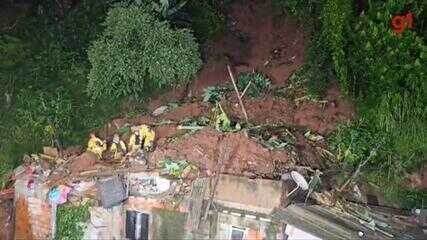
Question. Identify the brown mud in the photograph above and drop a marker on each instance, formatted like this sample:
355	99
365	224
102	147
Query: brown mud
248	158
256	40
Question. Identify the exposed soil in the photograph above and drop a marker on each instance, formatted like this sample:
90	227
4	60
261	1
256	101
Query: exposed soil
164	132
6	220
255	41
248	158
191	110
256	37
307	114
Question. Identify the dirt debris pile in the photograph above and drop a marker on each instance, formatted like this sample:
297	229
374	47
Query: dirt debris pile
248	157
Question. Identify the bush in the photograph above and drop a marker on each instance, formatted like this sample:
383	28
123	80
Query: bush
384	62
43	119
212	94
353	142
137	51
336	17
259	84
390	75
71	221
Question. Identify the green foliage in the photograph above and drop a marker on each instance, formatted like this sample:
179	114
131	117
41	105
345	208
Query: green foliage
137	51
12	51
6	168
168	8
73	28
259	84
82	25
223	123
70	220
353	142
383	61
317	70
48	116
336	16
389	73
307	11
206	21
43	73
391	182
212	94
174	168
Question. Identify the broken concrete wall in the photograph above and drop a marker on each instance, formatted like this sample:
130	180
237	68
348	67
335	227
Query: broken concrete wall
33	212
163	223
105	223
169	224
253	228
33	219
255	195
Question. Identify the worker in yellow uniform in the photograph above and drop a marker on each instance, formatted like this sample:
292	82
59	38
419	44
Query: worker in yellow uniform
118	148
143	136
135	142
148	135
96	145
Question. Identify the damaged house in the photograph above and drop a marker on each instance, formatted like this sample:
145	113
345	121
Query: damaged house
151	205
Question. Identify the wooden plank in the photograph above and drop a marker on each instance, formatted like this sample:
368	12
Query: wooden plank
196	202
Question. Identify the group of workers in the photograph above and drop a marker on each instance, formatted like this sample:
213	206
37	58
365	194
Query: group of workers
142	138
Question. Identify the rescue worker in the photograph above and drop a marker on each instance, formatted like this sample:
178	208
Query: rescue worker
96	145
118	148
135	142
148	135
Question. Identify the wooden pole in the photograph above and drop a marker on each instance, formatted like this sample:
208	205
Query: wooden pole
239	97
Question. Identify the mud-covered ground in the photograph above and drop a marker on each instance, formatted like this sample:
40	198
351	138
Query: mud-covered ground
256	41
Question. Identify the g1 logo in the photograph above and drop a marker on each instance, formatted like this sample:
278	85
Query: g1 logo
401	22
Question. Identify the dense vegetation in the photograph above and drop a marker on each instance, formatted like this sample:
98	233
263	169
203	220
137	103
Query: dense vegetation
67	70
385	73
137	50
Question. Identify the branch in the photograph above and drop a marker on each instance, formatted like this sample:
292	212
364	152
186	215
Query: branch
359	168
239	97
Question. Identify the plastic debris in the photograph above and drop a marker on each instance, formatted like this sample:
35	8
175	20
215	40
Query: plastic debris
313	137
59	194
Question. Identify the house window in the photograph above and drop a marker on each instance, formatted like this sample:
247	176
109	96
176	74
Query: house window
137	225
237	233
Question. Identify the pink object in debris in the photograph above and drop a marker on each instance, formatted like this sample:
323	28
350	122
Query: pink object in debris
59	194
30	184
65	190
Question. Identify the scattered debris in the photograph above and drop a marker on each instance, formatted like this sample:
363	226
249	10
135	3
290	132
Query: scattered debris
160	110
313	137
59	194
298	179
84	162
111	191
